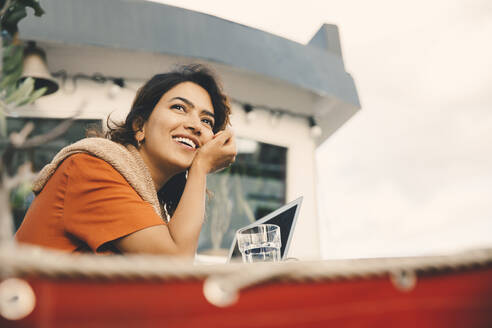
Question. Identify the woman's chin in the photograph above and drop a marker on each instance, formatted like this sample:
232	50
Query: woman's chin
182	167
175	165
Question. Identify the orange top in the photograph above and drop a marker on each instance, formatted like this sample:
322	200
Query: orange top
83	206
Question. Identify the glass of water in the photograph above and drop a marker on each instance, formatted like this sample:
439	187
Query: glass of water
260	243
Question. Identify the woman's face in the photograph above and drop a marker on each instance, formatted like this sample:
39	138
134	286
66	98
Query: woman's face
181	122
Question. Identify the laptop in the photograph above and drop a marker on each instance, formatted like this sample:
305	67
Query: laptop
285	217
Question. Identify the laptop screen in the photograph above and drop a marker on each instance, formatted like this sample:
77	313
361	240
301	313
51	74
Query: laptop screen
285	220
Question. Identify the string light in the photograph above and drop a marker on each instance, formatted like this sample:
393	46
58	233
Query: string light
250	113
315	128
115	88
117	82
249	109
276	114
275	117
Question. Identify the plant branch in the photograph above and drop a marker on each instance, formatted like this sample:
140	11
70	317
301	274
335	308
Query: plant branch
59	130
19	141
41	139
18	138
5	7
15	139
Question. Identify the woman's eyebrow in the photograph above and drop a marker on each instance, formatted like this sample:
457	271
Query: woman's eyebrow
208	113
186	101
189	103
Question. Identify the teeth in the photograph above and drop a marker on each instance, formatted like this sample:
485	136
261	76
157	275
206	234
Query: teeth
186	141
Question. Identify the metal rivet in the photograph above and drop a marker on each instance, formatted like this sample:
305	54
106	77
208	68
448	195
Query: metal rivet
217	295
404	280
17	299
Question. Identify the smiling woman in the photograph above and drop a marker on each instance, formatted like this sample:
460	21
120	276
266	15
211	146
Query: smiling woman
141	189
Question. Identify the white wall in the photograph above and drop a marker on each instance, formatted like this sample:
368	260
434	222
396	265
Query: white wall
93	98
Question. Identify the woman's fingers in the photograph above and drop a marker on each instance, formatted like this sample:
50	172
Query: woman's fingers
224	136
230	146
232	139
219	152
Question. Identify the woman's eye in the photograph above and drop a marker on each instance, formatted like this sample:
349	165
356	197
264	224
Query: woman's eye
178	107
209	122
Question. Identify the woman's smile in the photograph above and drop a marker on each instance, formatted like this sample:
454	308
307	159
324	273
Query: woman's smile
188	141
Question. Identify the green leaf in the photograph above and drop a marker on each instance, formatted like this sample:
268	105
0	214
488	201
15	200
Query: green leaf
7	91
22	92
34	4
19	194
33	96
3	123
9	80
12	59
7	51
15	13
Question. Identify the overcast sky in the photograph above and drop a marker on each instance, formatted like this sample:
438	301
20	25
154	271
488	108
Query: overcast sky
411	173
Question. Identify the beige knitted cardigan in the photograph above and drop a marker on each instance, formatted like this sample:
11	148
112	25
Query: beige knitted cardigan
125	160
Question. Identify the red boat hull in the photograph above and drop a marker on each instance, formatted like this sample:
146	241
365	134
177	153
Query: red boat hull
449	299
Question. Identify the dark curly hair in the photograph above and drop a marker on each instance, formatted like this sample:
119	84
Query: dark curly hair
147	98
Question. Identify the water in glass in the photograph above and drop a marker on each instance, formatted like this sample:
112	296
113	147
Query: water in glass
260	243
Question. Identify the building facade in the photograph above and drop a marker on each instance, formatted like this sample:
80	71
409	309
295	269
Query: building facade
102	51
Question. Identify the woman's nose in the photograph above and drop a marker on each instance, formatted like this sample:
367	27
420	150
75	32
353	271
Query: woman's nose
193	123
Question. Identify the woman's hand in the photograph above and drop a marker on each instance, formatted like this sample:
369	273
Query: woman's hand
218	153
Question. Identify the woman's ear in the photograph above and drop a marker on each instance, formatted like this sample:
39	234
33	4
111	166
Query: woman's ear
138	124
139	129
